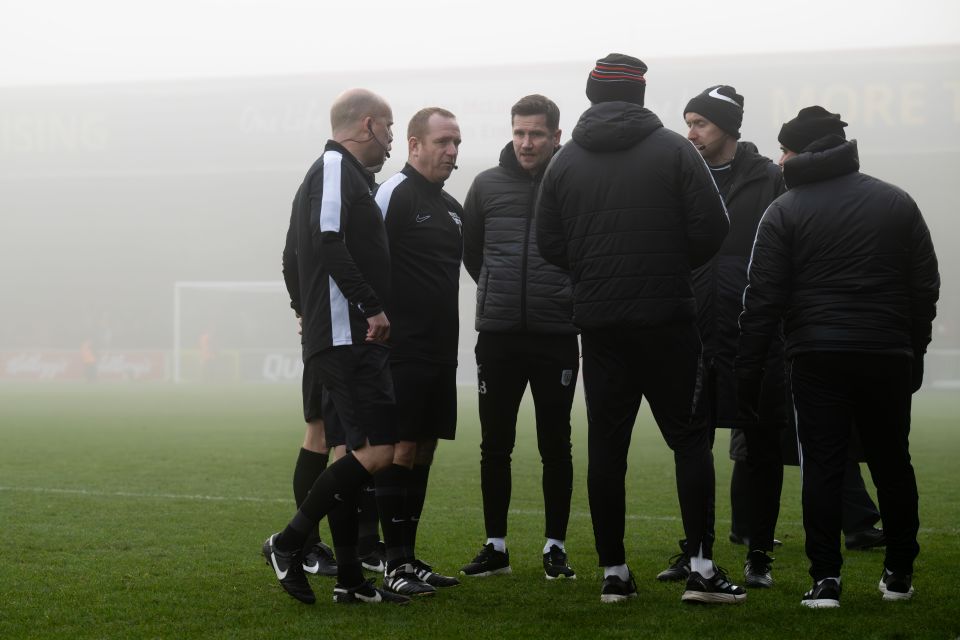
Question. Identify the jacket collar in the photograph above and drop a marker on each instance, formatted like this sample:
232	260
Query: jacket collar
333	145
748	166
417	177
508	160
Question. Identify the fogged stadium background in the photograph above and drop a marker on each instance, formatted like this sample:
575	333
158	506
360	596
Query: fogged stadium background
118	199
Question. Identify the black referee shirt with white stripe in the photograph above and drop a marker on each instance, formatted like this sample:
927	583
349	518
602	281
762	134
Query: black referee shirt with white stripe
426	246
336	263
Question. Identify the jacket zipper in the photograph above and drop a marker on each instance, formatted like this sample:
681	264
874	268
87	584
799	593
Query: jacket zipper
523	261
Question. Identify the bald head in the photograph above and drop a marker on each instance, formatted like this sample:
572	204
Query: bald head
352	106
361	122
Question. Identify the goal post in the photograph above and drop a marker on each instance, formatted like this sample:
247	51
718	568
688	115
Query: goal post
227	331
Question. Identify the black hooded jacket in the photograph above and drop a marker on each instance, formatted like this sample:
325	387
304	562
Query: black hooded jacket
754	183
844	259
629	208
517	290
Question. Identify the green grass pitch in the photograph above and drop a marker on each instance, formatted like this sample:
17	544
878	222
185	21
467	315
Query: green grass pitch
138	512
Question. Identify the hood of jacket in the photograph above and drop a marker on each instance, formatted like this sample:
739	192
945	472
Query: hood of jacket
821	162
614	126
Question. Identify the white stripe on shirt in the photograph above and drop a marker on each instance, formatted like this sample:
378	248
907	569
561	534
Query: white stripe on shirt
332	203
385	192
330	209
340	332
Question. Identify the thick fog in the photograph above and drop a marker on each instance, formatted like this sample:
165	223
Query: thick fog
112	194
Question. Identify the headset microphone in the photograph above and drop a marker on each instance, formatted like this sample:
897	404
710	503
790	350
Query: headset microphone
703	147
455	167
386	152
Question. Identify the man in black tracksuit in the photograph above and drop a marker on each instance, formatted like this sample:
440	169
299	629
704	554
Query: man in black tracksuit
338	288
629	208
846	263
748	183
423	225
526	334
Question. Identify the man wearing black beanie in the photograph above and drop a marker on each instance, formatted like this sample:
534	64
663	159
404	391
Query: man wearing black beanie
844	265
748	182
629	208
812	124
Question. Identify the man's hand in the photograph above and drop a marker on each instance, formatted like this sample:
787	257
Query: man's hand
378	328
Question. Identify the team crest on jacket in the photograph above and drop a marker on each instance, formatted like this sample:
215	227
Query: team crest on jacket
456	219
566	376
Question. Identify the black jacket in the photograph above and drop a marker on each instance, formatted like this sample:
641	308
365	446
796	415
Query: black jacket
629	208
426	244
754	183
336	263
844	259
517	290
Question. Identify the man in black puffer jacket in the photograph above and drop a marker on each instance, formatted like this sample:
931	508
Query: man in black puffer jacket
525	320
846	263
630	209
748	183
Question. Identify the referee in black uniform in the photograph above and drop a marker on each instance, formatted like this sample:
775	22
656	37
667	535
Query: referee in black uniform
344	276
426	245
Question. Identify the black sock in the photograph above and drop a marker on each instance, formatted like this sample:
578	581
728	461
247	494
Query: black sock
390	483
343	528
310	464
346	475
415	496
369	520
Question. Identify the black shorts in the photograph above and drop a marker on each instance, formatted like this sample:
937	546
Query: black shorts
357	398
312	390
426	400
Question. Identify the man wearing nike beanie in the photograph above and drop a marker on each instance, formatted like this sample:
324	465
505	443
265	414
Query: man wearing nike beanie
748	182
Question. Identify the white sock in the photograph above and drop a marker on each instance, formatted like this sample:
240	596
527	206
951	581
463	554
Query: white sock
551	542
500	544
619	570
701	565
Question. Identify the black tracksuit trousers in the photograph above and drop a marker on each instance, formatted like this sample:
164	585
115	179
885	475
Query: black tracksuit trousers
620	366
505	364
834	392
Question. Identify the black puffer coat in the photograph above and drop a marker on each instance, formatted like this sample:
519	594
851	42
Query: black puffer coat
517	290
844	259
719	284
629	208
755	182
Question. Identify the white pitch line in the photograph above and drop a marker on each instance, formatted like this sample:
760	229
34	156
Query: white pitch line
132	494
203	498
